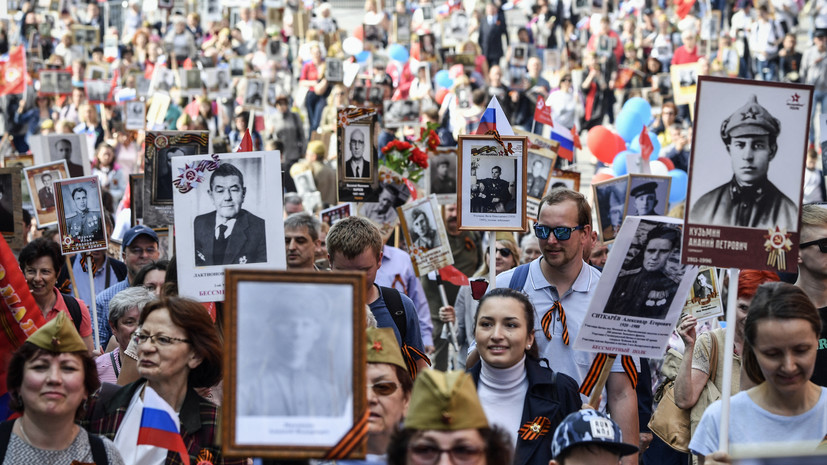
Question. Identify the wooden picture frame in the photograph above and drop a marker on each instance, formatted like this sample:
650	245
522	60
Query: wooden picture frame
255	421
136	189
609	201
11	206
661	194
564	178
539	168
42	190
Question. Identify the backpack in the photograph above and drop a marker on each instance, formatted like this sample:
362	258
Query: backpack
393	300
74	311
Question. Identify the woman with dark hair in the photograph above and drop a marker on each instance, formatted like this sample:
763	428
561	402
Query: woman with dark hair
515	390
780	343
49	380
446	418
179	350
152	276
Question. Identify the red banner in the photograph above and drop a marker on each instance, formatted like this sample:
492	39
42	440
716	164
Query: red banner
646	147
542	112
13	72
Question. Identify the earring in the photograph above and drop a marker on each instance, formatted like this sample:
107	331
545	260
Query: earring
528	347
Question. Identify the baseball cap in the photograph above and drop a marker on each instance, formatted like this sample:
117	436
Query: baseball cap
131	234
820	33
589	427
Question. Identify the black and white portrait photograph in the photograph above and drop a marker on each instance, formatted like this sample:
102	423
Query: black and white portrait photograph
98	92
374	35
313	361
427	11
705	297
96	72
88	36
422	228
425	235
648	195
11	207
236	66
564	179
609	199
492	183
218	81
333	70
80	215
69	147
191	81
643	279
539	170
357	157
458	26
519	55
40	180
162	162
254	94
136	201
49	82
684	82
399	113
225	216
441	177
274	49
304	182
358	151
391	195
401	28
135	115
163	80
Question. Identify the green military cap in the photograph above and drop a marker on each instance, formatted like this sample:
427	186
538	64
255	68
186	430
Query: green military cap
750	120
383	348
445	401
58	335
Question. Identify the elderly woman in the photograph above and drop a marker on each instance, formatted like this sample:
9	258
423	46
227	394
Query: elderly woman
179	350
124	311
49	379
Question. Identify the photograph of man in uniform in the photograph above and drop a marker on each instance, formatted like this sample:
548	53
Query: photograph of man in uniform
254	93
749	199
495	194
423	234
702	287
230	234
62	150
356	166
643	288
64	83
84	225
611	204
445	180
537	178
644	198
384	212
333	70
46	194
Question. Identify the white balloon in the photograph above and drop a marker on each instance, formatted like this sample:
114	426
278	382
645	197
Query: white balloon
658	168
353	46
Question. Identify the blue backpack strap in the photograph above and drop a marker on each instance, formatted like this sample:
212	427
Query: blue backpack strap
519	277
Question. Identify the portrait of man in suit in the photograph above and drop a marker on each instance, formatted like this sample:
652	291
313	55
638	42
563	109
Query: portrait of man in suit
229	235
46	194
63	151
356	166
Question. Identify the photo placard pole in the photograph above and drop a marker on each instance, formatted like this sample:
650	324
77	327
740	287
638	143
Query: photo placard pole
729	343
170	240
72	276
594	399
492	260
94	309
452	331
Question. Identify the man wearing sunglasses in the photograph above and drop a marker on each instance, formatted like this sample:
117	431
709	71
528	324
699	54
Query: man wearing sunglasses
561	285
812	275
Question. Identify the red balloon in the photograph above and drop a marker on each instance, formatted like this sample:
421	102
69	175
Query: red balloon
415	50
602	144
359	32
619	143
440	95
667	162
601	177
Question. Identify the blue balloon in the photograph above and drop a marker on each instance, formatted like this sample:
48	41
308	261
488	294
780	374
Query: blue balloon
443	79
363	56
619	163
628	124
635	145
398	52
639	106
677	191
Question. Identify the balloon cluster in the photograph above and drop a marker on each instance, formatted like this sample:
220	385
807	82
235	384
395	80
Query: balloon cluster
616	148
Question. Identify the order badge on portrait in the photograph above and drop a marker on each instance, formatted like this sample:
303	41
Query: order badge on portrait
80	219
744	194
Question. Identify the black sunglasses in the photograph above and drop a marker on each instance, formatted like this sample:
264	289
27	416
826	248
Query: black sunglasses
504	252
561	233
822	244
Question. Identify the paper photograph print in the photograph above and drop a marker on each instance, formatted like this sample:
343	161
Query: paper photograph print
71	148
492	183
441	175
163	80
191	81
80	213
219	82
564	179
401	28
684	82
11	207
705	299
457	29
333	214
519	56
135	115
333	70
40	179
373	36
394	193
228	213
540	168
254	94
425	235
648	195
746	174
55	82
399	113
100	91
136	201
610	206
641	291
357	158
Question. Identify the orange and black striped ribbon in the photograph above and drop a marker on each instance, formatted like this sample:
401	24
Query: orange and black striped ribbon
548	319
534	429
408	353
351	440
82	259
507	149
597	366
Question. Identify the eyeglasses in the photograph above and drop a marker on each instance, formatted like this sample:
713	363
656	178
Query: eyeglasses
822	244
565	79
157	339
504	252
140	251
429	454
384	388
561	233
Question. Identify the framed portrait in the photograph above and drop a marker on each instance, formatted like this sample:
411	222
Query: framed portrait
711	25
228	214
55	82
163	80
96	71
564	179
267	412
219	82
705	299
464	94
519	55
648	195
69	147
80	211
401	28
745	124
441	175
274	49
492	183
425	235
374	36
236	66
88	36
254	94
165	243
135	115
427	47
538	179
136	201
457	27
11	207
427	11
393	193
17	161
401	113
551	59
100	92
684	82
357	157
333	70
161	148
335	213
191	81
641	291
609	199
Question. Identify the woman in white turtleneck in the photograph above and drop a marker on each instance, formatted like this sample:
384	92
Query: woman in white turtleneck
516	391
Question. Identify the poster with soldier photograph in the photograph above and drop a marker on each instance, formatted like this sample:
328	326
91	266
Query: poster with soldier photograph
393	193
705	300
219	82
744	191
69	147
228	214
684	82
425	235
441	175
191	81
162	81
641	291
400	113
40	180
492	183
55	82
161	148
401	31
564	178
11	207
456	28
80	222
540	166
331	215
648	195
135	115
100	92
609	200
87	36
333	70
357	157
254	94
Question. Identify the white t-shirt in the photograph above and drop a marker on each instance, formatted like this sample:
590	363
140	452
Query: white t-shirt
749	423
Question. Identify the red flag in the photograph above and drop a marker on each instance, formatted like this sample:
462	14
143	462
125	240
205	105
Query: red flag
451	274
646	147
576	138
246	144
13	72
683	7
542	113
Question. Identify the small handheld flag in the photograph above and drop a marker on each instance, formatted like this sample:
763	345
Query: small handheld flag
565	137
494	119
158	427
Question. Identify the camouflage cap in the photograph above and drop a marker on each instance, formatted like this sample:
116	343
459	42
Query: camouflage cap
58	335
750	120
383	347
445	401
589	427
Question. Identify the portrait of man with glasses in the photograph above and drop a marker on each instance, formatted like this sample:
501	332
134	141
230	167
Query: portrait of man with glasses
358	144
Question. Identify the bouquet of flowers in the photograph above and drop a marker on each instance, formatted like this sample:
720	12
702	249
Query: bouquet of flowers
409	160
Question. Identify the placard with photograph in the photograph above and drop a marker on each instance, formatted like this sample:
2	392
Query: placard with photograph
705	299
219	82
100	92
456	30
135	115
333	70
163	80
745	192
564	178
254	94
357	157
335	213
40	179
161	148
55	82
441	175
274	49
191	81
136	201
641	291
427	11
401	28
519	55
648	195
69	147
267	412
492	183
10	160
427	47
539	166
399	113
11	207
684	82
228	214
609	199
393	193
373	36
425	235
87	36
80	213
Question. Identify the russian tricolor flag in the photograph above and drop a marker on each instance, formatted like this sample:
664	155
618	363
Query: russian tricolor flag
565	137
494	119
158	427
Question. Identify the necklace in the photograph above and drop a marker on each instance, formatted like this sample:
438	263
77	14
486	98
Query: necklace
25	436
